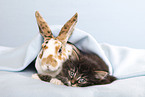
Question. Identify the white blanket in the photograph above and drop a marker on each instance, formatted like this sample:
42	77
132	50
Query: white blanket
123	62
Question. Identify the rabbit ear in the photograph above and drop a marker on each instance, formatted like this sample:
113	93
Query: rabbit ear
67	29
43	27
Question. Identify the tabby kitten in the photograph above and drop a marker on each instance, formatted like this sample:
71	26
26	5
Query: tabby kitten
89	70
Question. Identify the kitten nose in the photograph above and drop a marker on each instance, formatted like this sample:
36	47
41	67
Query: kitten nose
73	81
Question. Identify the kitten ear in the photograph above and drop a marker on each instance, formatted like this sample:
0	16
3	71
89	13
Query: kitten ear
101	74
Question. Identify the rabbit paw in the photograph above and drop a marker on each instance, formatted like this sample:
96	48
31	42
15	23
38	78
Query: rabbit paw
56	81
35	76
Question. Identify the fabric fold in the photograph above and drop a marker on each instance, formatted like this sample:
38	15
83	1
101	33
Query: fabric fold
123	62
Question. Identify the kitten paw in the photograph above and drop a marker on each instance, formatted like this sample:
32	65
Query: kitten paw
35	76
56	81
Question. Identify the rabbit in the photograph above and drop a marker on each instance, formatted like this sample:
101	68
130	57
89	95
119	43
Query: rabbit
55	50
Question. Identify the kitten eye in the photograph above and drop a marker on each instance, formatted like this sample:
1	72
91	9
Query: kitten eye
71	73
81	80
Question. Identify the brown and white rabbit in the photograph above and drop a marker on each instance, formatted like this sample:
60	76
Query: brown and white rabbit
57	50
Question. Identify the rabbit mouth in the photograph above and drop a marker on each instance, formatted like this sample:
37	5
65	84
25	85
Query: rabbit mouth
49	68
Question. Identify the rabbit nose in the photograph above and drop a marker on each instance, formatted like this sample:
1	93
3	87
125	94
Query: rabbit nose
47	67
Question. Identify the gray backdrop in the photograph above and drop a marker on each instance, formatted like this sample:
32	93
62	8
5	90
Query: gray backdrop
117	22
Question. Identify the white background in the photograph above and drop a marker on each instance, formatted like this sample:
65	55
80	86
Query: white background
117	22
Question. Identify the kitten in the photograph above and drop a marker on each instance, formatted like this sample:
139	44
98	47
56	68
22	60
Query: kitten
89	70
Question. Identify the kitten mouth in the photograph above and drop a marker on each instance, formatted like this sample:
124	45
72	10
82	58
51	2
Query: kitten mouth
74	85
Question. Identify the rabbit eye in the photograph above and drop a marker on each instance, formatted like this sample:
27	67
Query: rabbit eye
60	50
46	42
